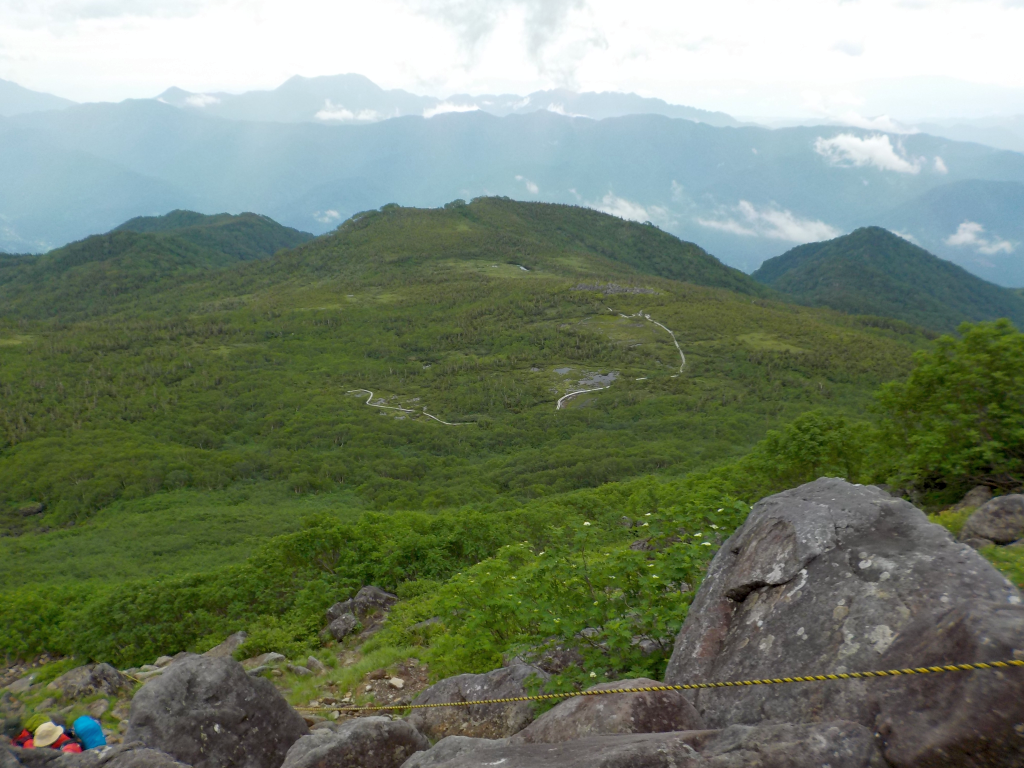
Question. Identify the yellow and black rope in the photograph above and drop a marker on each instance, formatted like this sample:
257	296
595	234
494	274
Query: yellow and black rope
690	686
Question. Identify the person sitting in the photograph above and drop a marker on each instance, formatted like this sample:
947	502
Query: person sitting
53	736
89	732
25	737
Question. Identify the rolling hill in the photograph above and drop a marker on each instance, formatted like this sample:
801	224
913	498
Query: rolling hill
258	374
872	271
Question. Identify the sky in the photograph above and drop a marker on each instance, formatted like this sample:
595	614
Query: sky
911	59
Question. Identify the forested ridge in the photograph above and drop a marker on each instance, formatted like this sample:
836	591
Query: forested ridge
224	409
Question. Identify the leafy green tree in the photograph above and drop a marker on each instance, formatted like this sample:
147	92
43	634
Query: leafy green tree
958	420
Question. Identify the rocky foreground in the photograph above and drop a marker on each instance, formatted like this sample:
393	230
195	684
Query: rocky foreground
827	577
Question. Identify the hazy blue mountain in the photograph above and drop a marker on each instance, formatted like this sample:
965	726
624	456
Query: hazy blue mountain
244	237
742	193
15	100
871	271
1002	132
354	99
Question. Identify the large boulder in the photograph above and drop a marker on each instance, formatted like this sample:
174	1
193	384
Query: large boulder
648	750
133	755
1000	520
369	742
90	680
448	749
209	713
642	712
962	719
821	579
343	626
489	721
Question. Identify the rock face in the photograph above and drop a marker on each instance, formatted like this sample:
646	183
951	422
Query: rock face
448	749
369	742
647	712
1000	520
209	713
653	750
963	719
489	721
811	745
821	579
975	497
90	680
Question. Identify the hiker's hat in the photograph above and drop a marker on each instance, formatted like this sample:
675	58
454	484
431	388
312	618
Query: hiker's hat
46	734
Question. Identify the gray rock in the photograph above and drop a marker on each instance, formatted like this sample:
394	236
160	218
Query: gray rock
343	626
489	721
978	544
811	745
96	709
974	498
316	666
7	758
449	748
583	716
210	714
148	674
20	686
820	579
647	750
1000	520
163	661
264	659
369	601
962	719
300	671
121	756
90	680
227	648
369	742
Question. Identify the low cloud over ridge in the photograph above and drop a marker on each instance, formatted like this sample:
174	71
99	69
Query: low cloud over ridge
848	150
747	220
971	233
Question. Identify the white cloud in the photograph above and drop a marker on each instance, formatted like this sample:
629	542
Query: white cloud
446	106
971	233
338	114
559	109
627	209
326	217
747	220
849	47
201	100
847	150
940	166
532	188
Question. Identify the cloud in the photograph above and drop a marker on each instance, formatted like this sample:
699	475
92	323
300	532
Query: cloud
69	11
201	100
446	106
532	188
627	209
940	166
847	150
338	114
559	109
905	235
971	233
849	47
747	220
326	217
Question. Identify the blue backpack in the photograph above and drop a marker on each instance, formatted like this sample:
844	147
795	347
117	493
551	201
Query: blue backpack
90	732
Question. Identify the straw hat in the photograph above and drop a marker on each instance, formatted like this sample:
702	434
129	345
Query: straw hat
46	734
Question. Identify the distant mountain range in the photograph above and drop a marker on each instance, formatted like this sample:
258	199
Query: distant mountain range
871	271
744	193
354	100
15	100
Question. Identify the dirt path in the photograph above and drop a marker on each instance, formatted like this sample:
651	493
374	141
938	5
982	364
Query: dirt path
407	410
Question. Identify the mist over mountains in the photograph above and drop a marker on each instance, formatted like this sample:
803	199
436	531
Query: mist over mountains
745	193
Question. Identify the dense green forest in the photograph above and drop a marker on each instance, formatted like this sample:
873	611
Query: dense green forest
872	271
203	453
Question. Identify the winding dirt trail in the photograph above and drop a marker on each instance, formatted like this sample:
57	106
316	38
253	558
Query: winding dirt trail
407	410
641	314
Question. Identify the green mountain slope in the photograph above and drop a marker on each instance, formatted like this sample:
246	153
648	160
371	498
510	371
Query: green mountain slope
871	271
143	257
257	375
247	236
